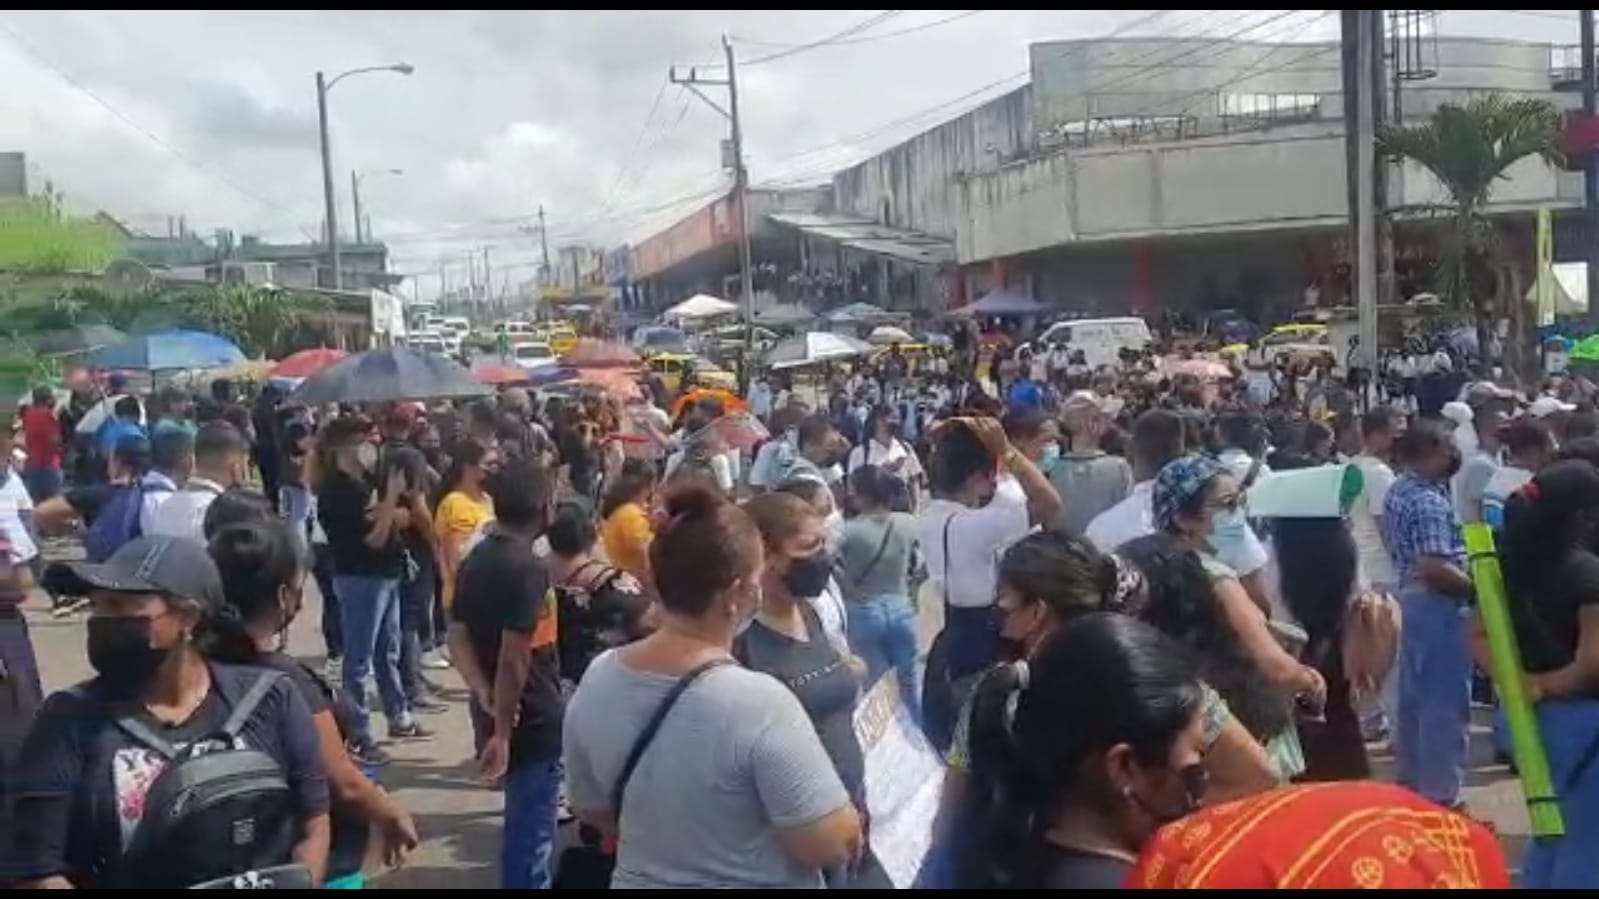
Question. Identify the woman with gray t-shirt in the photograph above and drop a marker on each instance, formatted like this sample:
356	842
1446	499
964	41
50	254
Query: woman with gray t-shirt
734	789
874	564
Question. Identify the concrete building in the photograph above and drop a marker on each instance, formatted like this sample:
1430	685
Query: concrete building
700	252
222	259
1151	174
13	175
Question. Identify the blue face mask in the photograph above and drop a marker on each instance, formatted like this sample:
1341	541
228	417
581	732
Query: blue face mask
1050	458
1228	531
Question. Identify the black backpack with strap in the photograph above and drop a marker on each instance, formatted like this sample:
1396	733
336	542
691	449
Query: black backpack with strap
219	810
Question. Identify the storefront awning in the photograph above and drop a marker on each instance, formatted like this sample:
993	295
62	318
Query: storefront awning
870	237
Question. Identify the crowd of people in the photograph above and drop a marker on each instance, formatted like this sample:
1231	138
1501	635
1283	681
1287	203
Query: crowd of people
672	607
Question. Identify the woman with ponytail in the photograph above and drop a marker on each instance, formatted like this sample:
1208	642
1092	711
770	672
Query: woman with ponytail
1103	743
263	573
1552	575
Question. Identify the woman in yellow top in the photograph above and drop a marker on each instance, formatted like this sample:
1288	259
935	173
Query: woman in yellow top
463	508
626	532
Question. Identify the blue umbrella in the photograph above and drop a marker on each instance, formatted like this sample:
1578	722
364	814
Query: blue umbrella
168	350
389	374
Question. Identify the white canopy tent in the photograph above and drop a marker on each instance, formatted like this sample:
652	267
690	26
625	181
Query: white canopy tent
813	347
699	306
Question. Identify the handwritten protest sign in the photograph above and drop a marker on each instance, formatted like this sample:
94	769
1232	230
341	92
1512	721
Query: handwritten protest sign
904	776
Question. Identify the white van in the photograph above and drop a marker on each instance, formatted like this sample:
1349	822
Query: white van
1100	339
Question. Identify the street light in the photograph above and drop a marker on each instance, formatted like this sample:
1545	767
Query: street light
355	197
324	85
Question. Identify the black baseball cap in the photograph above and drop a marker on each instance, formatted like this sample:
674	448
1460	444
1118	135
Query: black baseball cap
175	566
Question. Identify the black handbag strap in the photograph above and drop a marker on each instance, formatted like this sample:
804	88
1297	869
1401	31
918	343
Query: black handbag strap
947	522
647	735
888	531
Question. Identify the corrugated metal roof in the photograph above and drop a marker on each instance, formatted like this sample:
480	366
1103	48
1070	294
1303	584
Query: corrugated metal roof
870	237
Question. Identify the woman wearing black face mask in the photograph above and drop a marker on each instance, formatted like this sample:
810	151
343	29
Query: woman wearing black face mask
263	574
88	776
1105	744
787	641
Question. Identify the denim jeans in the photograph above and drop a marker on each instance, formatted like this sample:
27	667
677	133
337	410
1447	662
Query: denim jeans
332	626
42	483
531	792
371	613
416	629
882	631
1434	696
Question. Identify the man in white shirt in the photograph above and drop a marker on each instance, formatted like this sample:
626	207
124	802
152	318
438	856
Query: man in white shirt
760	399
220	460
171	462
1243	439
1157	439
1528	448
16	506
1378	429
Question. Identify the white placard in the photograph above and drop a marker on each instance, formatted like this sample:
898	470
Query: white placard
904	779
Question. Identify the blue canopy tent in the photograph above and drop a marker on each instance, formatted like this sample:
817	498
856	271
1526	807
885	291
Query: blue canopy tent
167	350
1004	302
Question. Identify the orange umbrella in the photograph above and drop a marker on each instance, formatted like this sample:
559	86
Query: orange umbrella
591	352
731	402
621	383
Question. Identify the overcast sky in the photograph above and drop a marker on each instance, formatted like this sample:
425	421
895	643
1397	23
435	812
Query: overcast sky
212	115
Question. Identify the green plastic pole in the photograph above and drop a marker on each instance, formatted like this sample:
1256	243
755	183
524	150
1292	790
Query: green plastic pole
1543	806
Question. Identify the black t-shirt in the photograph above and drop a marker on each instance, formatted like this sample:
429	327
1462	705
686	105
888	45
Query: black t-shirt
502	587
83	779
350	827
1074	869
342	507
1546	623
600	607
822	681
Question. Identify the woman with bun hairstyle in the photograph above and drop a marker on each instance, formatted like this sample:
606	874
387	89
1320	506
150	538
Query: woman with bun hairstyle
263	573
710	775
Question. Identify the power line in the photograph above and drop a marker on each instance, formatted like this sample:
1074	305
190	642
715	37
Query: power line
857	28
126	120
866	39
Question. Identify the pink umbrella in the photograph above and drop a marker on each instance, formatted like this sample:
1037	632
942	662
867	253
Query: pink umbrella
306	363
591	352
500	375
1206	369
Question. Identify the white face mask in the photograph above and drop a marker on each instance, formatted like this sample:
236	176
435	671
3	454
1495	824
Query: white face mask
367	455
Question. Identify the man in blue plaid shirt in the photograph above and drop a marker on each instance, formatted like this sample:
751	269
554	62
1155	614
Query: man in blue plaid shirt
1423	536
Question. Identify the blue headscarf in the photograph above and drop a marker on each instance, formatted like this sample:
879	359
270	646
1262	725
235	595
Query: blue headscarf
1178	483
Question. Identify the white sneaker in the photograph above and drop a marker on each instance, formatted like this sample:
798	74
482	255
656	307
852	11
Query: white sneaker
432	659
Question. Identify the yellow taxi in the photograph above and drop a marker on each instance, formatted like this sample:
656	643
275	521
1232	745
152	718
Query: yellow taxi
1295	341
671	367
561	337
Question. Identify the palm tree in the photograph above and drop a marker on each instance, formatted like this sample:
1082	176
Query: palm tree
1469	149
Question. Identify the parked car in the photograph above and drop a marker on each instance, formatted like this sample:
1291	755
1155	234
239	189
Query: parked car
673	367
428	342
1296	342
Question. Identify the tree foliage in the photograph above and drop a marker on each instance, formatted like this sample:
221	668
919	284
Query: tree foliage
1469	149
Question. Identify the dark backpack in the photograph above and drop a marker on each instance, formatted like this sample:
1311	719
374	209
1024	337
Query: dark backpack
220	809
116	524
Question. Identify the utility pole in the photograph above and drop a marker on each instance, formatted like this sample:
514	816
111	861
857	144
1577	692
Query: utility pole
740	188
355	199
328	214
488	279
1365	205
544	241
1590	173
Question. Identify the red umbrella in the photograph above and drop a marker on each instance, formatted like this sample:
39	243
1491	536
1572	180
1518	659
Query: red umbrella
591	352
500	375
621	384
306	363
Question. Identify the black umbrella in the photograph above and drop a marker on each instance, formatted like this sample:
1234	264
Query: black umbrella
78	339
390	374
